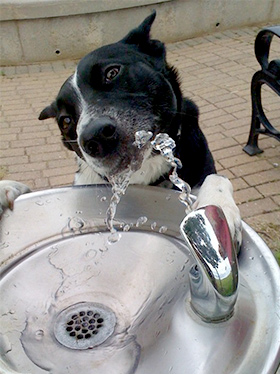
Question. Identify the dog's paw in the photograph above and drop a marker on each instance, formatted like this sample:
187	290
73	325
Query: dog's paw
9	191
218	190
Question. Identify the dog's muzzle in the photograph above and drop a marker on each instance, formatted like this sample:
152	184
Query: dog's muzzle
99	138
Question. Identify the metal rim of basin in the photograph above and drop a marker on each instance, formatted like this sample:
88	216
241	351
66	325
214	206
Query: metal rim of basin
86	207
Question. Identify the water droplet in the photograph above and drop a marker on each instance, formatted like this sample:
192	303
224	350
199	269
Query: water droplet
275	164
40	203
153	225
91	253
114	237
170	259
165	145
168	197
141	221
75	223
103	198
39	334
4	245
142	137
251	258
104	249
163	141
162	229
126	227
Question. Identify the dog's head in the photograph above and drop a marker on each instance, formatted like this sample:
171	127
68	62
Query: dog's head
115	91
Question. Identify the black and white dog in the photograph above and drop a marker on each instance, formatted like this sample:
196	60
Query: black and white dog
123	88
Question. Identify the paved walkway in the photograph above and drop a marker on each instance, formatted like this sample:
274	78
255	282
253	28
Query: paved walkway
215	71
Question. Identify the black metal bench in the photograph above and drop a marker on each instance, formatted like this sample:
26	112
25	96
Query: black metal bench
269	75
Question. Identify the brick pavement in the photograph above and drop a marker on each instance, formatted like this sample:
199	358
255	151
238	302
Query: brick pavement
215	71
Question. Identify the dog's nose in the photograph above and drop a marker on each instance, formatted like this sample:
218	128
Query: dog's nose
99	138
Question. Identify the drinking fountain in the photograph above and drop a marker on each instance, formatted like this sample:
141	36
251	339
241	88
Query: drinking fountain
168	297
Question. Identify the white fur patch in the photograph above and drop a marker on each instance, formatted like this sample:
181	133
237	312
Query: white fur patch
151	169
217	190
82	102
78	91
9	191
86	175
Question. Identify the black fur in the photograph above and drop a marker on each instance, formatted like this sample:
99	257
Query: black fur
145	91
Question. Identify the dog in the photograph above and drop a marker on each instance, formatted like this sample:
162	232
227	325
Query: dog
123	88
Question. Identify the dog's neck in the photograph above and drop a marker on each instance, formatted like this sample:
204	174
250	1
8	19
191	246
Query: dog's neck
152	169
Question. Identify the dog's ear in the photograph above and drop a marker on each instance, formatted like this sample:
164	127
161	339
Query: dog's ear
140	35
140	38
48	112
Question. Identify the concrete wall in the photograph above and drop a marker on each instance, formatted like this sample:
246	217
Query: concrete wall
46	30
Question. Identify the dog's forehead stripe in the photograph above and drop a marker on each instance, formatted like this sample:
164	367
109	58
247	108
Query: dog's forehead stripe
77	89
83	106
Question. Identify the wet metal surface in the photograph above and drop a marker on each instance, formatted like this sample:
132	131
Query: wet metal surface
56	256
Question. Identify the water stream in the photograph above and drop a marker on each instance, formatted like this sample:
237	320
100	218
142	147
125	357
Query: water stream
119	184
165	145
120	181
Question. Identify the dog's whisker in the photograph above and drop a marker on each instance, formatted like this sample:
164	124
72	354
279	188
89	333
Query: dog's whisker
70	141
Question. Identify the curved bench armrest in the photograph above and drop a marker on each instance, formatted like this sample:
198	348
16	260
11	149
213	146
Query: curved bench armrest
262	44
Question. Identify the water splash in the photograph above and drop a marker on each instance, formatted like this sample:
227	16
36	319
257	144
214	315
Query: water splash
162	229
153	225
141	138
75	223
120	182
126	227
165	145
141	221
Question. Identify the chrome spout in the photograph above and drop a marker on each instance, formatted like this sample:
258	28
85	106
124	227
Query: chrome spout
214	277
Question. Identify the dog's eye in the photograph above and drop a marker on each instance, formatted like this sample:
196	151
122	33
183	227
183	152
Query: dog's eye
111	73
65	122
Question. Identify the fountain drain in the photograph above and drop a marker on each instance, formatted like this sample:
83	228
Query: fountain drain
84	325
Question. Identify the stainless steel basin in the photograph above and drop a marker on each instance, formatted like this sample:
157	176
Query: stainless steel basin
71	301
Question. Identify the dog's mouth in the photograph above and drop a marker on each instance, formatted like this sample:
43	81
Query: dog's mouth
112	141
127	156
